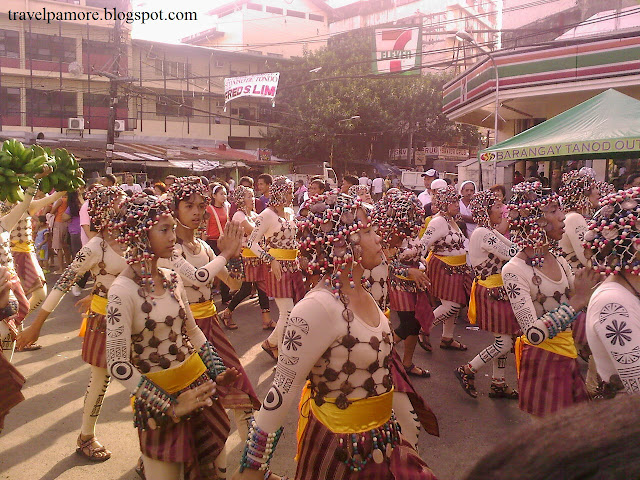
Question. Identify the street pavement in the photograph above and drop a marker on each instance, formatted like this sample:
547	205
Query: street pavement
40	434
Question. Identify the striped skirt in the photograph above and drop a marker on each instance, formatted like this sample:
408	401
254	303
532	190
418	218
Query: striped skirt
240	394
578	327
23	302
29	271
495	316
402	384
253	269
548	382
454	287
196	442
318	459
418	302
290	285
11	381
94	344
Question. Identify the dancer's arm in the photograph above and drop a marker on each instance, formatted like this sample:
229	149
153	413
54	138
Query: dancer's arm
12	218
575	228
436	230
264	221
40	203
193	331
495	243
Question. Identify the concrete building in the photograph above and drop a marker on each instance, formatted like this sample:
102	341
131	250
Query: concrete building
266	27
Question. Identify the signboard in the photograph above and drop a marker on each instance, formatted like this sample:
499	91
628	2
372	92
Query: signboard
397	50
446	152
264	154
557	150
263	85
420	157
398	154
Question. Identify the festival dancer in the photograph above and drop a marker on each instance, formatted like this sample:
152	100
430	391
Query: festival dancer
338	338
276	229
613	315
447	268
361	192
251	266
103	256
398	217
9	328
155	348
489	305
198	266
539	285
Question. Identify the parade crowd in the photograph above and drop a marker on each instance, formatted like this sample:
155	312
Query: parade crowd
552	270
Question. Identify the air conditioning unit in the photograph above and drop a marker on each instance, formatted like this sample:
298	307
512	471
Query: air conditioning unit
76	123
120	126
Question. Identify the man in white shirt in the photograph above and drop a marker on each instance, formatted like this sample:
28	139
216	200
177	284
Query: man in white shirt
377	187
364	180
428	177
129	186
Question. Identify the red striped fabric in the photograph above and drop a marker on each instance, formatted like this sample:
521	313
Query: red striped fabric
495	316
579	330
30	275
94	344
548	382
23	302
454	287
290	285
11	382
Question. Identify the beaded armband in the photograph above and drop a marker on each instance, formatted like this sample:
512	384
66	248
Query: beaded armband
212	360
33	189
259	448
399	269
9	310
559	319
151	405
266	257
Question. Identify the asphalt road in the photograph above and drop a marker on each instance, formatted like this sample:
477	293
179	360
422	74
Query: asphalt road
40	434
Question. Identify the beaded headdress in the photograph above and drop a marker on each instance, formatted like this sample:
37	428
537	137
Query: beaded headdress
141	212
613	238
330	226
237	197
605	188
480	205
103	205
574	190
527	225
279	188
399	213
358	190
185	187
443	197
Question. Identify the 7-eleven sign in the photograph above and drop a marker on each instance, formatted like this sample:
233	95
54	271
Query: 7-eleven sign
397	50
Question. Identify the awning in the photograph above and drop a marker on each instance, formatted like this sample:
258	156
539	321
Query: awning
196	165
605	126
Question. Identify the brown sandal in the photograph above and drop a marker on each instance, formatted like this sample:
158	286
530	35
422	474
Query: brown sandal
269	324
86	449
271	350
452	344
227	321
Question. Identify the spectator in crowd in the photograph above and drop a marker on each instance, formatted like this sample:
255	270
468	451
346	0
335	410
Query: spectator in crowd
246	182
41	242
518	177
467	191
632	180
501	193
387	182
348	181
159	189
395	181
60	231
72	216
301	194
129	186
169	179
317	186
232	184
556	179
109	180
364	179
428	177
263	184
218	212
377	188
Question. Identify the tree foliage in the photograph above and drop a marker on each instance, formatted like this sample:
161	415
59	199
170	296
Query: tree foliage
320	93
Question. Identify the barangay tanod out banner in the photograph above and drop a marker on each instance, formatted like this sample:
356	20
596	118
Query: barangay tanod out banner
397	50
264	85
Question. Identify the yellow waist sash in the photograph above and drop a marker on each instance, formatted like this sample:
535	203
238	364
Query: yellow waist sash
452	260
362	415
248	253
492	281
283	253
23	247
98	305
203	309
424	227
562	344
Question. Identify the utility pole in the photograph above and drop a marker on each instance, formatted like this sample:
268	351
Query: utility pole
113	98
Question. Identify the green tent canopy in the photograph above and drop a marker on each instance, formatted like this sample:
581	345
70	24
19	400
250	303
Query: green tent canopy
605	126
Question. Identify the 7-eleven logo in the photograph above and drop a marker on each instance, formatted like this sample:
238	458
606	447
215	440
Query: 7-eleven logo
397	46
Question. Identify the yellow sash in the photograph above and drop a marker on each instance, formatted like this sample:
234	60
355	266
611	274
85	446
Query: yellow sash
99	306
283	253
23	247
424	227
492	281
248	253
361	416
203	309
562	344
452	260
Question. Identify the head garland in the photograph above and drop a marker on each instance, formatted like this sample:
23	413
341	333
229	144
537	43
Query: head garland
480	205
237	197
330	235
140	214
278	190
443	197
575	189
527	224
398	213
605	188
358	190
184	188
613	238
103	202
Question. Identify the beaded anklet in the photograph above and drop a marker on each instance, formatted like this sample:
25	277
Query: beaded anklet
151	405
212	360
559	319
259	448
